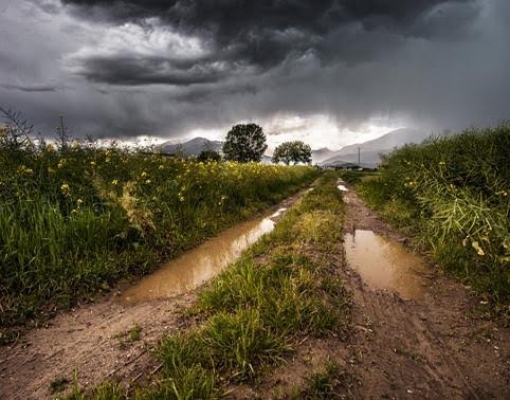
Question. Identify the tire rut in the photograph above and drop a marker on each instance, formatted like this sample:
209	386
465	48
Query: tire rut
429	348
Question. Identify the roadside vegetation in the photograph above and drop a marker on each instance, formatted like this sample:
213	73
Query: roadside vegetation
452	193
283	291
75	218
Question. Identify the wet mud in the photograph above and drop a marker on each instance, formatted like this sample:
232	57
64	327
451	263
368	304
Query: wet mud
417	334
199	265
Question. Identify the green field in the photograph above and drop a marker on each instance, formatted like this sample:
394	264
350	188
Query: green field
75	218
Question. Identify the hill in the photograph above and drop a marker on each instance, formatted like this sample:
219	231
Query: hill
370	151
320	155
192	147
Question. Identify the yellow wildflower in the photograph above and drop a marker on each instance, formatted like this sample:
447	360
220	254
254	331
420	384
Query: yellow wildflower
65	189
478	249
22	169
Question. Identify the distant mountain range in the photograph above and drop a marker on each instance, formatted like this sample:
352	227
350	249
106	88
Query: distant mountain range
320	155
369	151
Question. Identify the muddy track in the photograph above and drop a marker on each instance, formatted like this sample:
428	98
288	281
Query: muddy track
91	340
94	342
431	348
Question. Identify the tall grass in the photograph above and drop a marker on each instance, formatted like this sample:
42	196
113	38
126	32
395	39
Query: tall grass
453	192
75	218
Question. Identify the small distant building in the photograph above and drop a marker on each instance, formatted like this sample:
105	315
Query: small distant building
348	166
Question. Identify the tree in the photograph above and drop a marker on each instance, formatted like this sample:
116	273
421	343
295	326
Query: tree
245	143
209	155
295	151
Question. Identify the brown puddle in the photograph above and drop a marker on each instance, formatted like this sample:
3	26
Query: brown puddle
198	266
385	264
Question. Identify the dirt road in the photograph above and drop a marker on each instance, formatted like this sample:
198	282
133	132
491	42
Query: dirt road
428	348
434	347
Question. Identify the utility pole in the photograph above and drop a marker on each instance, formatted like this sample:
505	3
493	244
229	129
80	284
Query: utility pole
359	156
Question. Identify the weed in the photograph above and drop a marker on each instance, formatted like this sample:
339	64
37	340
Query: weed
135	332
58	384
239	343
253	313
109	391
76	393
187	383
331	383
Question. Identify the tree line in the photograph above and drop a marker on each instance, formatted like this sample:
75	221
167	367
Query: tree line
247	142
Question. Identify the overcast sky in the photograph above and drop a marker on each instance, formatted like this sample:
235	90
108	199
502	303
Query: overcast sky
330	72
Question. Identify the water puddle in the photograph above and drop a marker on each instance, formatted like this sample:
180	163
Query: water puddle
385	264
341	185
198	266
277	213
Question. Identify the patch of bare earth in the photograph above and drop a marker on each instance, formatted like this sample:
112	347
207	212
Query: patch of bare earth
433	348
92	340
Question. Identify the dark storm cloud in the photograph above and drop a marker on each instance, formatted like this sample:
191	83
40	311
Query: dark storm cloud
47	6
205	94
230	18
264	34
134	71
164	68
30	88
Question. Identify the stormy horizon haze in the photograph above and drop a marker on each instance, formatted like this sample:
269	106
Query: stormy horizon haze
331	72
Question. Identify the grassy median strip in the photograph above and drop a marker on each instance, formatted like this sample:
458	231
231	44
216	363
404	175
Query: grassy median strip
253	315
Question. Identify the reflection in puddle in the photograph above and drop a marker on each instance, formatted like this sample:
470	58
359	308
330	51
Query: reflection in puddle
201	264
278	212
385	264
